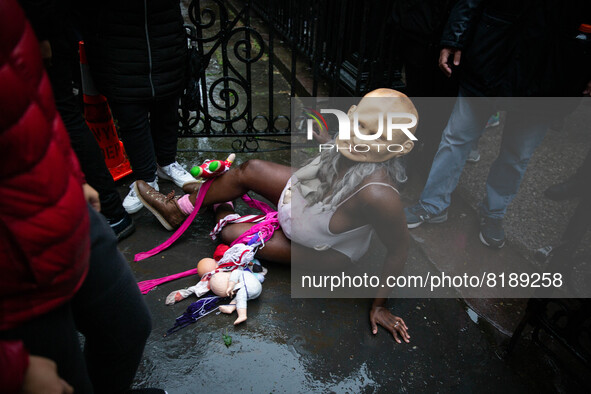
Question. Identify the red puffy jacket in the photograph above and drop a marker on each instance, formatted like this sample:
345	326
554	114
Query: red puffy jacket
44	225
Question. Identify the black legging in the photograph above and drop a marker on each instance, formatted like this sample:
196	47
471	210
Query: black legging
108	310
149	133
61	73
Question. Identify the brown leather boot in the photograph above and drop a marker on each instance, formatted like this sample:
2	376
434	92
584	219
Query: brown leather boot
165	208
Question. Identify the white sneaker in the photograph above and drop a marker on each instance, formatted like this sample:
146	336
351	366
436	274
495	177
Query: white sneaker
132	203
176	173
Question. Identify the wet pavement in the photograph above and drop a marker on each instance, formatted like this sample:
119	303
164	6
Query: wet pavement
325	345
317	345
532	220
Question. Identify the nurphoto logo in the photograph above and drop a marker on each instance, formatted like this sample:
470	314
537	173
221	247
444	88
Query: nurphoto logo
383	133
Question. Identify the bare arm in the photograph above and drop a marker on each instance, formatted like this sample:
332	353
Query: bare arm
386	214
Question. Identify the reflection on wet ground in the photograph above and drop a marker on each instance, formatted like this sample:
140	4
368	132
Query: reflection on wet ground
315	345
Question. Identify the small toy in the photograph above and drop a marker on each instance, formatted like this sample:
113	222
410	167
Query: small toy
213	168
236	270
246	286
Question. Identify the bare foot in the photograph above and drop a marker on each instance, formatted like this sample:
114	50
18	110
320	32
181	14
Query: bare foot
227	309
241	316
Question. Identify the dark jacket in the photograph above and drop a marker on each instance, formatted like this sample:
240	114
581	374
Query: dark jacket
419	25
136	48
520	47
44	224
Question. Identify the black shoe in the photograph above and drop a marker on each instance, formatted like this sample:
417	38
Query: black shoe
122	228
492	233
417	215
568	189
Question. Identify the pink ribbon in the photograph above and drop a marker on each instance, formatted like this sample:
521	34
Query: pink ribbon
148	285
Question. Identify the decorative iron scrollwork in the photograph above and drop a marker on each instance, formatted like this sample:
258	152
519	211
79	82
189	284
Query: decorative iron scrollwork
218	98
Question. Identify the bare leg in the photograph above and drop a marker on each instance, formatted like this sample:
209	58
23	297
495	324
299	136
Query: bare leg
277	249
228	309
263	177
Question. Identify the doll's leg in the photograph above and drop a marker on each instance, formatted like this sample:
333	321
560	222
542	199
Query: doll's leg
263	177
241	316
240	305
228	308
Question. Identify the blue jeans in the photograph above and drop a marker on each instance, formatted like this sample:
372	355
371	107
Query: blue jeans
523	132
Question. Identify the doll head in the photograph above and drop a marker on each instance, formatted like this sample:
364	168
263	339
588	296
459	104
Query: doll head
206	265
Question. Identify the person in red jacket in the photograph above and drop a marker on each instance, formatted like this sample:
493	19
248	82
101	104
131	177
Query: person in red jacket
60	270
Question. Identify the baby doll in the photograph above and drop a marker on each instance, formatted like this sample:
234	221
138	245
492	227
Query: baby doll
244	283
207	265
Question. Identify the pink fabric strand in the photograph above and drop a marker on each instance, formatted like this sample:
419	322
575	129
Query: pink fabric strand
199	200
261	206
267	227
149	285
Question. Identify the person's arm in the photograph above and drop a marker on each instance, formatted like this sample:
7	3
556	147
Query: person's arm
386	215
460	23
456	32
91	196
14	361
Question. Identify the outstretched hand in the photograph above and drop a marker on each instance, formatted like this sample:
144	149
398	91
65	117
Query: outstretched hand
382	316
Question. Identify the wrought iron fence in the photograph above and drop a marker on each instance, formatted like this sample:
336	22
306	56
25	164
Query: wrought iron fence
345	43
218	102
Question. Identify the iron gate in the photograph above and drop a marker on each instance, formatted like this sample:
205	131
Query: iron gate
224	54
233	92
